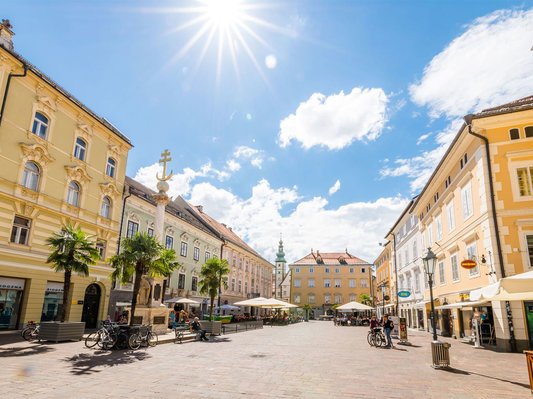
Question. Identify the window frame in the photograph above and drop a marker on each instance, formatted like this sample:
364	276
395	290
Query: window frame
456	275
38	125
31	176
17	228
196	253
74	194
111	167
184	249
169	242
105	207
467	199
132	226
80	150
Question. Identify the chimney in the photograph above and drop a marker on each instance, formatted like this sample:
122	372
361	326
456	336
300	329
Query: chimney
200	208
6	34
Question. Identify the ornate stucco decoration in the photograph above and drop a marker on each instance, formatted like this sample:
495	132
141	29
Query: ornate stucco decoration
110	190
170	231
77	173
37	153
184	237
114	150
133	217
84	131
47	103
197	242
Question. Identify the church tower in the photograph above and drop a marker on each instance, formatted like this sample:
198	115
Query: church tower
281	269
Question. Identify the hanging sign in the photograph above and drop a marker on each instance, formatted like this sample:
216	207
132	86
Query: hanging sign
404	294
468	264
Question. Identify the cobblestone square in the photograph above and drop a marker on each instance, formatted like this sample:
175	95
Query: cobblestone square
306	360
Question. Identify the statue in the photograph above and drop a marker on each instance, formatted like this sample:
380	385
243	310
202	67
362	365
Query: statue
143	298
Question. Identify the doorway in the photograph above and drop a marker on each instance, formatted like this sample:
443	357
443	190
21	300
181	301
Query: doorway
91	306
529	319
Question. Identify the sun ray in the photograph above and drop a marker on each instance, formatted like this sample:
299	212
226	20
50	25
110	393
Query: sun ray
231	46
251	55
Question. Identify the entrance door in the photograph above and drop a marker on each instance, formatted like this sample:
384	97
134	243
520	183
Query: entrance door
91	305
529	318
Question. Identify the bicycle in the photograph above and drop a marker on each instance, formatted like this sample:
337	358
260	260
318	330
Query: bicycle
376	337
31	331
144	335
106	337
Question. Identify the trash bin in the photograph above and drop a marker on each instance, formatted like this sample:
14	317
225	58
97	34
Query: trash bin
440	352
529	360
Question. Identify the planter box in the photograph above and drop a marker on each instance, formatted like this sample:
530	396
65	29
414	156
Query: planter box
56	331
211	327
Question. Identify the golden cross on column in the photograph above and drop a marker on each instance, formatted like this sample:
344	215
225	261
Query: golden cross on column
165	158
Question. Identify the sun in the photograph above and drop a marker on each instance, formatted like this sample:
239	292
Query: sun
228	27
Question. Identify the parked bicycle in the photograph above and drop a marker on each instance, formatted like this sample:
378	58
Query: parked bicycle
376	337
143	336
106	337
31	331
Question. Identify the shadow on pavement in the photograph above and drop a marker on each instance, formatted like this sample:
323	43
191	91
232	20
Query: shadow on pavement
88	363
464	372
218	340
10	338
25	350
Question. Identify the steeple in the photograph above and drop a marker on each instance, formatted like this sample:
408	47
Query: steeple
280	256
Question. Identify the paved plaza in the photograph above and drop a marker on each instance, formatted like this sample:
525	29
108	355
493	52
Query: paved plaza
306	360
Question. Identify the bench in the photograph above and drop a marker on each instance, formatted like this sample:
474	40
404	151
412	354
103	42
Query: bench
185	334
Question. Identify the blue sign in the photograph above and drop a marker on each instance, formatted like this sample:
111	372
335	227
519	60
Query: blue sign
404	294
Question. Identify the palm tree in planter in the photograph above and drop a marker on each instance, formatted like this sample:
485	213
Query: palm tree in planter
365	299
306	309
72	251
213	276
142	255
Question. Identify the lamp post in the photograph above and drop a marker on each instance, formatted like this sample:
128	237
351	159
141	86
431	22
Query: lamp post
430	261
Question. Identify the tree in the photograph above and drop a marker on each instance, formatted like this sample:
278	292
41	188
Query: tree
72	251
306	308
142	255
365	299
213	275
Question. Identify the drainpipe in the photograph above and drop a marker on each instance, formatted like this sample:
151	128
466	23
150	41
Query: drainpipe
4	99
395	274
468	119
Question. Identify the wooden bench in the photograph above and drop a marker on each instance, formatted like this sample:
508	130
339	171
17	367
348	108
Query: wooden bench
185	334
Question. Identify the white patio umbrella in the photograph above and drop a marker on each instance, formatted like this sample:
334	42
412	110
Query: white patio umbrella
354	306
512	288
187	301
228	307
252	302
274	303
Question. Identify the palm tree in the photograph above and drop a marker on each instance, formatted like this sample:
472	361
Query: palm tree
142	254
71	252
213	276
306	308
365	299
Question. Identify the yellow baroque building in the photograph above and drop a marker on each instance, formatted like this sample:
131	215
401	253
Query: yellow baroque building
60	163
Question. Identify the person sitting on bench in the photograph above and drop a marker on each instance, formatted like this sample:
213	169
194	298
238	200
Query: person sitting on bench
195	326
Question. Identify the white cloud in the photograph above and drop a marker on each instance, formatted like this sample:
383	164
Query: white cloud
419	168
233	165
337	120
333	189
254	156
423	138
305	223
487	65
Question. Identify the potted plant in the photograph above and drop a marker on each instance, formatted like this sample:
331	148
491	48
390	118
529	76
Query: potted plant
213	276
142	254
72	252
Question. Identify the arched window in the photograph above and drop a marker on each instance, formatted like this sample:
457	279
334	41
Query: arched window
110	167
73	195
80	149
40	125
31	176
105	210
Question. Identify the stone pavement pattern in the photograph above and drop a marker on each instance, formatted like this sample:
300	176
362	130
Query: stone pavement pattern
306	360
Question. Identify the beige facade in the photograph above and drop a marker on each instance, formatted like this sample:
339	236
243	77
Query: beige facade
61	164
383	284
322	280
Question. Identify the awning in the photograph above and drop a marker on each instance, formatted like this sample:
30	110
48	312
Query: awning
123	304
460	305
421	305
12	283
514	288
52	286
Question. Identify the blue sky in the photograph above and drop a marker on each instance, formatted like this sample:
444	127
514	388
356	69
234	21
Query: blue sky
364	93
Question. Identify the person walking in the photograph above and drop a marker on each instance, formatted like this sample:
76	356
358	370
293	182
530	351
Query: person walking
388	325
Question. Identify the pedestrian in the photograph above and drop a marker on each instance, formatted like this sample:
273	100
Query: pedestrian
388	325
195	326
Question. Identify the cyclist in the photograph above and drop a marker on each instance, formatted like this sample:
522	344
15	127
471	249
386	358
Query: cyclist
374	323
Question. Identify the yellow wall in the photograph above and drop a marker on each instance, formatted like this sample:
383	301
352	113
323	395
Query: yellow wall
47	208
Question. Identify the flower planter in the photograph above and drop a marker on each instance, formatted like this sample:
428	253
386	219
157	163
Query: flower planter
57	331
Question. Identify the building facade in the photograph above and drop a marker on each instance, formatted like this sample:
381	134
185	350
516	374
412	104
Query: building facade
250	274
322	280
192	240
282	276
383	297
61	164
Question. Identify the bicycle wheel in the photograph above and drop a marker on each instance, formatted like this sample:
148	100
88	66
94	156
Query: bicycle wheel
379	340
91	340
370	339
134	342
28	335
110	341
152	339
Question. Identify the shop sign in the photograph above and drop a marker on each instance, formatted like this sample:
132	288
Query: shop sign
404	294
468	264
11	283
52	286
403	329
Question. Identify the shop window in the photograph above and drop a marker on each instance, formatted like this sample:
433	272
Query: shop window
31	176
40	125
20	233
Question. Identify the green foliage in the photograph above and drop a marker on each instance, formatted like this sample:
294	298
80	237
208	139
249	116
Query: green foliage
72	251
213	276
142	255
365	299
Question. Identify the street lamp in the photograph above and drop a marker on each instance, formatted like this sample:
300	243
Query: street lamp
430	260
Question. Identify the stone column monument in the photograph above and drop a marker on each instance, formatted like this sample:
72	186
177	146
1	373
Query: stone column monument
152	308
